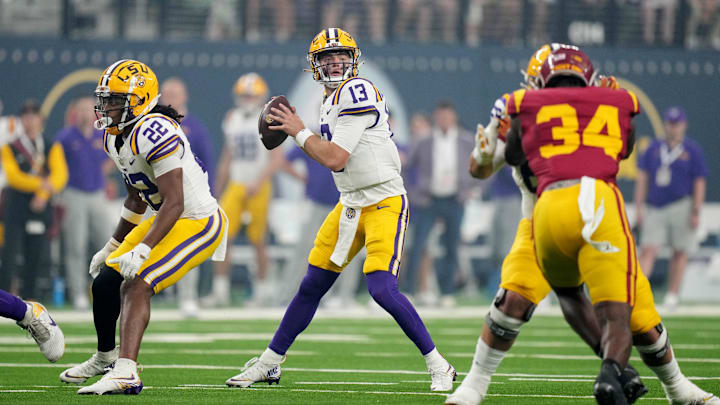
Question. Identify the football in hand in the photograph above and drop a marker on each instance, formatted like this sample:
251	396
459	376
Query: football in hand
271	138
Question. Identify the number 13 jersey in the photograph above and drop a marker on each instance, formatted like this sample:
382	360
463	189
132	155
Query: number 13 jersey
372	172
568	133
143	157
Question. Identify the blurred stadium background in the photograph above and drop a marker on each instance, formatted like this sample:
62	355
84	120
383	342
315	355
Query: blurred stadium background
418	52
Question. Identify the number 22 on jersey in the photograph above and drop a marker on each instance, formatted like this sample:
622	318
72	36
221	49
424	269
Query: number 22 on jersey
606	116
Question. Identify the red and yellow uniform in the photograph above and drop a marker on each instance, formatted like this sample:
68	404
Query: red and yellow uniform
580	229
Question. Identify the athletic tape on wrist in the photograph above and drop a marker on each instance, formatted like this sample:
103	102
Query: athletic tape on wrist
302	137
132	217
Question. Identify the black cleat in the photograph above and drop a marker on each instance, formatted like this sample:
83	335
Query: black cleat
632	385
607	388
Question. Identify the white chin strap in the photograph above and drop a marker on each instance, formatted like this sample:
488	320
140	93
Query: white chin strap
102	123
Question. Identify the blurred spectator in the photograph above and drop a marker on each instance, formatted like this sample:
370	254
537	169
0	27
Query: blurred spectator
703	25
174	93
650	11
349	14
244	175
283	15
671	180
91	19
504	25
422	11
34	175
222	20
538	33
442	187
84	199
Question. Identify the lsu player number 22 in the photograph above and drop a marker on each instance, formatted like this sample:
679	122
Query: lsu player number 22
186	227
372	212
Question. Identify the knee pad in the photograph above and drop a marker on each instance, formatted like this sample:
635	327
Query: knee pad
503	326
660	347
500	298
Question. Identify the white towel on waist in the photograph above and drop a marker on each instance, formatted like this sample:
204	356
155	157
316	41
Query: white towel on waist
220	251
590	217
349	219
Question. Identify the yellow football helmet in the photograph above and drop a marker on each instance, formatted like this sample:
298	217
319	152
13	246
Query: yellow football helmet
332	40
252	85
532	73
129	86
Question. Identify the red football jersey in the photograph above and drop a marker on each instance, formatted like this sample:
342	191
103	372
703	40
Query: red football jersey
571	132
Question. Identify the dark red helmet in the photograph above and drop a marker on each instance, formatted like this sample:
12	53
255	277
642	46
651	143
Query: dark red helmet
567	60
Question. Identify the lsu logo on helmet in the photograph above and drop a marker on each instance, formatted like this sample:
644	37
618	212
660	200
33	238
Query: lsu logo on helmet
128	86
333	40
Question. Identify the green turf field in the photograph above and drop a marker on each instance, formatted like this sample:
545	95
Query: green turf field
358	361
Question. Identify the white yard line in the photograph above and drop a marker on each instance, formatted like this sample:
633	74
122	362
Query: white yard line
207	338
426	313
344	383
281	389
549	379
325	370
218	352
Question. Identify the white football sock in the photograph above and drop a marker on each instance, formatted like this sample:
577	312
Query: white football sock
125	366
270	357
434	359
28	315
221	286
485	361
108	357
669	374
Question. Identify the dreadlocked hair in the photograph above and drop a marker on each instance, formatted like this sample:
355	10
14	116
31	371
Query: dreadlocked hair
169	111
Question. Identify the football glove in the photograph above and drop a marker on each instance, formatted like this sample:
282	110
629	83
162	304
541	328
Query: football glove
486	142
131	261
98	259
609	82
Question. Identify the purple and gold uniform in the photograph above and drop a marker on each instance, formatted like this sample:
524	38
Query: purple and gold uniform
202	227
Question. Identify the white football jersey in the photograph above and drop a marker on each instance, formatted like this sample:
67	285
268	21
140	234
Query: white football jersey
372	172
141	160
248	156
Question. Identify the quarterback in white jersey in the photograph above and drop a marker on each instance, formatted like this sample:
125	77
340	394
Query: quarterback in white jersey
373	212
144	256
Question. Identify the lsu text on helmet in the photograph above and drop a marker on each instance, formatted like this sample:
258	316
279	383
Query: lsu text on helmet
128	86
567	61
333	40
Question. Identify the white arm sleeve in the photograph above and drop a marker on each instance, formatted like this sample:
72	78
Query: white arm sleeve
349	129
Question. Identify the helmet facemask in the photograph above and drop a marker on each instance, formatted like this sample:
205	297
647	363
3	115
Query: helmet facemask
106	102
322	69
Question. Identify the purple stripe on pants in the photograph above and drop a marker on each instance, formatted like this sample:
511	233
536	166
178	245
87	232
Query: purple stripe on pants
397	234
177	250
189	256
